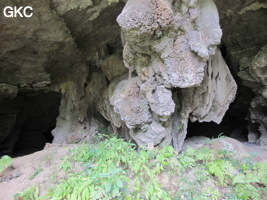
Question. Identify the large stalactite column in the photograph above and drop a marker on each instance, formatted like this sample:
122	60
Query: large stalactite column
176	73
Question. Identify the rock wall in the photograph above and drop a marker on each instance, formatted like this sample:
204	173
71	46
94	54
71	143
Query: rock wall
254	74
141	68
244	27
168	46
59	49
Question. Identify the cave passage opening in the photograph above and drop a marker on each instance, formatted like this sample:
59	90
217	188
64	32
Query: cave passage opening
234	123
230	126
35	121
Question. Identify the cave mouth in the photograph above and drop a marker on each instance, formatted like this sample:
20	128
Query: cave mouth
234	123
35	122
229	127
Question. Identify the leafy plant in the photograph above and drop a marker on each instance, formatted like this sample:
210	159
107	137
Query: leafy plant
113	169
212	193
112	1
5	162
221	135
32	193
220	169
37	171
248	182
65	164
105	169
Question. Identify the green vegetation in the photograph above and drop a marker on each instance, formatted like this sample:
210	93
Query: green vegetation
31	193
112	1
37	171
113	169
5	162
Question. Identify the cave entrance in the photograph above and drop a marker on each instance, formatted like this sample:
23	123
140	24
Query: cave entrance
230	127
35	121
235	122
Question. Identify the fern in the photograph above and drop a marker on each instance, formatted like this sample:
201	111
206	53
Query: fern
204	154
215	168
31	193
262	172
247	191
247	183
109	165
239	178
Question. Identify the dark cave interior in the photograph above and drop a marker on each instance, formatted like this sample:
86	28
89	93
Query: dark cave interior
235	121
230	127
37	115
34	122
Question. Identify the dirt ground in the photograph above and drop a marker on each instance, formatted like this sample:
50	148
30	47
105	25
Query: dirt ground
47	162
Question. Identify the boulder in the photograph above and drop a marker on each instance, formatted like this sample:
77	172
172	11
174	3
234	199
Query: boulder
233	146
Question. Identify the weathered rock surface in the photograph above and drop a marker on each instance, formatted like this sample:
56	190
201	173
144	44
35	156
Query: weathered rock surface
176	39
53	51
238	149
144	69
168	46
195	142
209	101
244	28
255	72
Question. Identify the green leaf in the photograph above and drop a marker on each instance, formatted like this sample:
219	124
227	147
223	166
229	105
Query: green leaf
108	186
167	154
165	163
86	193
118	171
126	191
190	151
239	178
5	157
170	149
116	190
119	182
102	175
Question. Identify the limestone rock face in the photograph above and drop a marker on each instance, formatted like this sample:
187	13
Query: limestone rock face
176	48
168	46
207	102
254	73
56	52
211	99
113	66
246	54
141	68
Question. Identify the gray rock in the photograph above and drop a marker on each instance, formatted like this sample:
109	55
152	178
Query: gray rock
176	73
254	71
195	142
7	92
254	133
168	46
